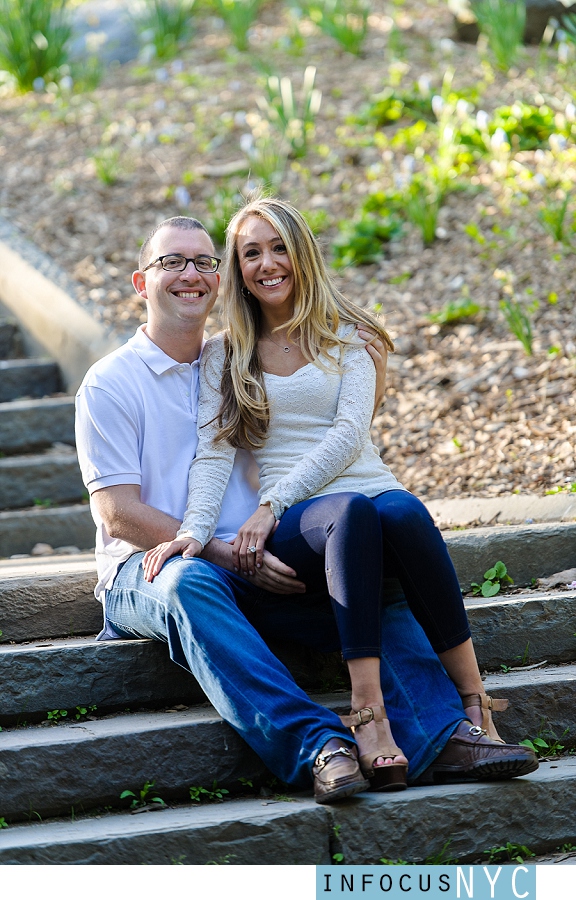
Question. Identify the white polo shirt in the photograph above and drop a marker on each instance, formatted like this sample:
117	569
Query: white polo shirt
136	413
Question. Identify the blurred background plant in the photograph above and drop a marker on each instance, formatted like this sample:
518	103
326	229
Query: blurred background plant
164	25
344	20
503	22
34	41
222	204
292	119
239	15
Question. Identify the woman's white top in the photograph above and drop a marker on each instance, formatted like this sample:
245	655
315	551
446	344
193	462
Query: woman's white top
318	439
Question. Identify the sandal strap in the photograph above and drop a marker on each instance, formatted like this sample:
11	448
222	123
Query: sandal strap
360	717
484	701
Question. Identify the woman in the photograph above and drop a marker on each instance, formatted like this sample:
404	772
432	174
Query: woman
290	381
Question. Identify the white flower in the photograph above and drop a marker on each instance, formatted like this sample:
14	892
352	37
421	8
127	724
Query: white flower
482	119
424	85
498	139
563	53
570	112
437	105
246	143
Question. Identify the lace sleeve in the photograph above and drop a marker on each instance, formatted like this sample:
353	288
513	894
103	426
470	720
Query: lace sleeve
212	465
342	443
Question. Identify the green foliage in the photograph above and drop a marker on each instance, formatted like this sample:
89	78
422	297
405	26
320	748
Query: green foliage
344	20
442	858
34	39
142	798
494	580
222	860
239	16
222	205
360	240
56	715
502	21
508	852
546	743
423	202
165	25
106	162
455	311
318	220
200	794
526	127
3	822
519	320
292	119
553	217
391	105
83	711
43	503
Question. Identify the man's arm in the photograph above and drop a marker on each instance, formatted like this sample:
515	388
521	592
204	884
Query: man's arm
125	517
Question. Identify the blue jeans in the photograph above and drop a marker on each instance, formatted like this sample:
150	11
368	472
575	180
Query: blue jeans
211	619
352	542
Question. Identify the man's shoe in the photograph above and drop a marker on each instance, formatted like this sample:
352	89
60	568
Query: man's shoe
470	755
336	772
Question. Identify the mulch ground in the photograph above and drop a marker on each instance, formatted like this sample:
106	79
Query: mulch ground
468	412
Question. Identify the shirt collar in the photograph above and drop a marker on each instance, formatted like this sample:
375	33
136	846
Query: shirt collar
153	355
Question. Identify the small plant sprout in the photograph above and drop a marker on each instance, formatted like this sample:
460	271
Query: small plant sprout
495	579
292	119
455	311
239	16
553	216
142	798
83	711
56	715
518	315
508	853
344	20
3	822
198	794
502	21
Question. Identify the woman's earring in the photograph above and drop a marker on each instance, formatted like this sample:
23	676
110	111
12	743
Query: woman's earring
245	292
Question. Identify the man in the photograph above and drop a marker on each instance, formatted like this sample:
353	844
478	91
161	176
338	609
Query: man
136	435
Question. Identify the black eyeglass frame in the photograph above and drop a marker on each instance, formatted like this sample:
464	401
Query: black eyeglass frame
193	260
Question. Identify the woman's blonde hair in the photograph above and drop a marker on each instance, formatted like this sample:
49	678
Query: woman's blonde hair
319	309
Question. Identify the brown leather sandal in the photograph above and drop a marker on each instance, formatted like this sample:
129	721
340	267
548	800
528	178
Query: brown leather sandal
391	777
487	705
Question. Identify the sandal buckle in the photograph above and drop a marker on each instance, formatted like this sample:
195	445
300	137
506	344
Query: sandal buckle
361	719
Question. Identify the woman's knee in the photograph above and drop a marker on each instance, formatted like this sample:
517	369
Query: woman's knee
404	510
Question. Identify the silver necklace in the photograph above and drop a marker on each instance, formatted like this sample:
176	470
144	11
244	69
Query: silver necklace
285	349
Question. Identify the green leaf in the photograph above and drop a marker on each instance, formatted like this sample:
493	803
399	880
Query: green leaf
501	570
490	575
490	589
541	743
125	794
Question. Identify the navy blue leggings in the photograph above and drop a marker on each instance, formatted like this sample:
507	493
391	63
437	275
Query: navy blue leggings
353	543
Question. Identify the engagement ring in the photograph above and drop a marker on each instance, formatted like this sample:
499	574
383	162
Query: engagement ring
251	549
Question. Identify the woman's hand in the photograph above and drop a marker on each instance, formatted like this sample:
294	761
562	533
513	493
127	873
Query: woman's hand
253	533
154	559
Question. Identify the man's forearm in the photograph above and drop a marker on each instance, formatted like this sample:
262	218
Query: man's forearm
126	518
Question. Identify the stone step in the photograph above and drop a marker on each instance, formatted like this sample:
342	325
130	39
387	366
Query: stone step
52	597
28	378
10	341
27	425
113	675
529	551
63	526
48	596
50	476
536	811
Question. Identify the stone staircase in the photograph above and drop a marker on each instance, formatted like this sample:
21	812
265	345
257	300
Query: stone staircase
60	785
40	485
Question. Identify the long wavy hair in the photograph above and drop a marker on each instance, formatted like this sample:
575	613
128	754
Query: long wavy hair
319	309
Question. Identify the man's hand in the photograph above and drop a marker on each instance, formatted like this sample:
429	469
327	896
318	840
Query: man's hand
154	559
378	350
273	575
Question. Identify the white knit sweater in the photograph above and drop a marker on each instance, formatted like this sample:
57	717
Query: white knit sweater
318	440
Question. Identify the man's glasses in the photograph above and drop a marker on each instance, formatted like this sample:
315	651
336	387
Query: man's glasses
175	262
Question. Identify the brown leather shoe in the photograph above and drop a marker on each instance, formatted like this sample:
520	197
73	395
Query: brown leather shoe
336	772
470	755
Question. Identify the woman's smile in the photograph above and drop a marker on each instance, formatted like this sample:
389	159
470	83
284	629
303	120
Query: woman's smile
265	265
